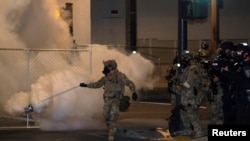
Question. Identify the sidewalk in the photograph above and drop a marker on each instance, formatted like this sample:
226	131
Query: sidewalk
145	121
154	127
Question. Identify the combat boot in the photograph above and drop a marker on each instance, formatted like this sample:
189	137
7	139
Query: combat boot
198	135
112	133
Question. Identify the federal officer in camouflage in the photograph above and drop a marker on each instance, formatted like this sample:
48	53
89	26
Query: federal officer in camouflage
172	81
114	83
203	62
189	85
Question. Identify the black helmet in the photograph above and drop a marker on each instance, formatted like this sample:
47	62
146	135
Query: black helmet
225	49
227	45
242	50
242	47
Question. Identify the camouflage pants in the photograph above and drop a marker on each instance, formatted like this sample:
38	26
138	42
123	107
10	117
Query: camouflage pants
216	106
190	117
216	109
111	114
173	100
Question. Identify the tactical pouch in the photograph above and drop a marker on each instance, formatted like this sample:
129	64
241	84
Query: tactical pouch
124	103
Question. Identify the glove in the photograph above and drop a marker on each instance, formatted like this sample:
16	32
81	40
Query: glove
83	85
134	96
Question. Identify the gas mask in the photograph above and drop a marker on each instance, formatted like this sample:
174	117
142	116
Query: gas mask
184	63
106	70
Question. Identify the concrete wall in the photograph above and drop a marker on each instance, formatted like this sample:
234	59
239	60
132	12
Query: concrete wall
157	21
108	27
81	20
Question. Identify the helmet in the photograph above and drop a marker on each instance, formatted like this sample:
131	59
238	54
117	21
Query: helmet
241	51
110	63
242	47
108	66
216	63
187	55
225	49
226	45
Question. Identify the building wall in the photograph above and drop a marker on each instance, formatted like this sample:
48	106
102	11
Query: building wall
108	22
81	20
157	22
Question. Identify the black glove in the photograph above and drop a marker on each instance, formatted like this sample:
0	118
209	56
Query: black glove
134	96
83	85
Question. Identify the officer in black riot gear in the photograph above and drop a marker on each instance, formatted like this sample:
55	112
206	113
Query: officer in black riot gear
239	79
242	97
225	59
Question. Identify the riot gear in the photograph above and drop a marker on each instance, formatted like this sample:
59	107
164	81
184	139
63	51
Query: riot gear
242	51
124	103
106	70
185	57
225	49
110	63
108	66
202	56
113	94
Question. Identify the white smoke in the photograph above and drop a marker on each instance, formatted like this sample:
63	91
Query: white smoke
59	103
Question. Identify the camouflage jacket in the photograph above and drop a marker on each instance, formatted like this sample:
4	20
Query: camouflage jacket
191	79
114	85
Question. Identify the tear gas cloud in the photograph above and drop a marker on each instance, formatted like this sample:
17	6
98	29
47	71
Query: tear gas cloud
59	104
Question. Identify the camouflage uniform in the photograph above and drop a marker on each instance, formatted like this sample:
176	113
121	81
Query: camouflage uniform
173	78
190	81
216	105
114	87
205	87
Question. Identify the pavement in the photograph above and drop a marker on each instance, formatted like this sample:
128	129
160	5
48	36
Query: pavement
145	121
155	127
